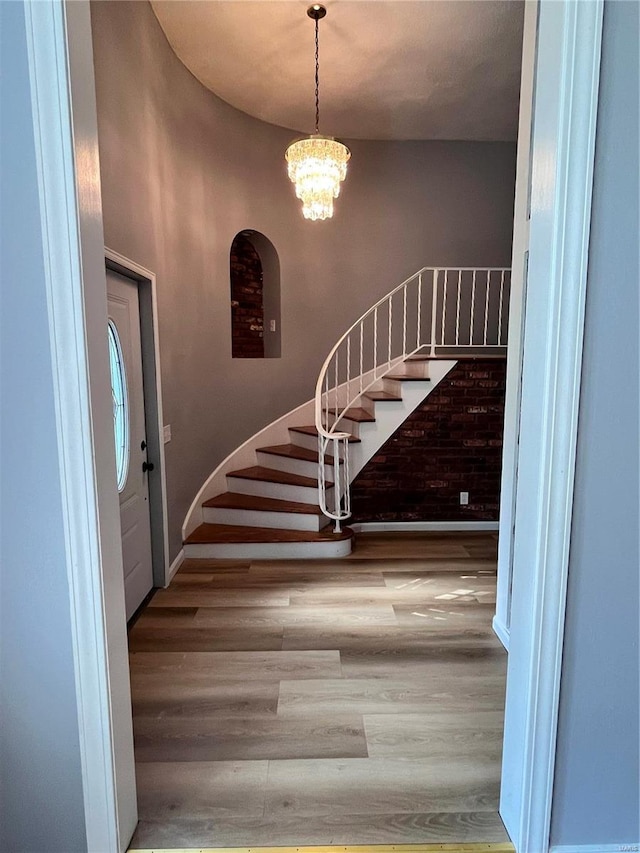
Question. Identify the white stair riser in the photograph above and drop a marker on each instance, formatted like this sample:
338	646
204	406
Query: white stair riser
346	425
394	386
326	549
301	439
279	491
415	368
264	518
292	466
310	442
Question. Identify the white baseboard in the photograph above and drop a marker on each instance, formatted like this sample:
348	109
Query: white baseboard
418	526
596	848
501	631
173	568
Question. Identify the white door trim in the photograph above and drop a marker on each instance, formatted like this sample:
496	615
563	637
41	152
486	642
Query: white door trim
65	131
513	388
563	148
152	375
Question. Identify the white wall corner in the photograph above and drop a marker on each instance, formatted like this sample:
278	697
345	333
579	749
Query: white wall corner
563	144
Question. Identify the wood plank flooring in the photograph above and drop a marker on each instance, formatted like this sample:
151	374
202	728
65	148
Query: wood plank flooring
342	702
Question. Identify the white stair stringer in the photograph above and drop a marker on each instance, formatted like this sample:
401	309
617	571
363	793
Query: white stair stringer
392	414
262	501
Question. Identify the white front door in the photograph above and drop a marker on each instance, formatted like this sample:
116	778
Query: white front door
132	469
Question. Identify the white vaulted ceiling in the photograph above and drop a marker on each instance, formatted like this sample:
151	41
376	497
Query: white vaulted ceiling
389	69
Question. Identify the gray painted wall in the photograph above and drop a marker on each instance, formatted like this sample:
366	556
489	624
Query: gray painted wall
183	172
42	804
597	796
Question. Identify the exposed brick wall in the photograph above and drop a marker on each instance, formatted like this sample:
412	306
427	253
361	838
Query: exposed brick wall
452	443
247	307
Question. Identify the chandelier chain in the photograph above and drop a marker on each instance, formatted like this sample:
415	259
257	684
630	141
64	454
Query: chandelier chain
317	80
317	165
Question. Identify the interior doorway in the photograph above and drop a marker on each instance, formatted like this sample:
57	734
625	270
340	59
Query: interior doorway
139	432
132	459
531	656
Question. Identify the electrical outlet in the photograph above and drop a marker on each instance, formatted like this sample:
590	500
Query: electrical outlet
166	433
272	325
464	498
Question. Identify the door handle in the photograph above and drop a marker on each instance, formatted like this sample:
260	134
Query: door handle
147	466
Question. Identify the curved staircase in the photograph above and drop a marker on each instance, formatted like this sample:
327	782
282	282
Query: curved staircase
282	498
271	510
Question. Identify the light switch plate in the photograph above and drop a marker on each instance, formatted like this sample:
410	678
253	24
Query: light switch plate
166	433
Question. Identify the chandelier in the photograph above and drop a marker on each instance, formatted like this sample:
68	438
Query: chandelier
317	165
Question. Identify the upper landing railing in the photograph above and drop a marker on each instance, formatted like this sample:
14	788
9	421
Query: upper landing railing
444	312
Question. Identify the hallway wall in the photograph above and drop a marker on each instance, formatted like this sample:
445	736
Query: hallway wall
183	172
41	796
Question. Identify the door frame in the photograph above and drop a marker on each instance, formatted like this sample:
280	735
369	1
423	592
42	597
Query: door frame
513	389
564	115
65	130
154	422
63	108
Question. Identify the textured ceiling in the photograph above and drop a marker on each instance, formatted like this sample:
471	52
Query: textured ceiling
389	69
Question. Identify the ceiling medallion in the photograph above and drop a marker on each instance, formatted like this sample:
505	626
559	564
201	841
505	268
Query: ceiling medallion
317	165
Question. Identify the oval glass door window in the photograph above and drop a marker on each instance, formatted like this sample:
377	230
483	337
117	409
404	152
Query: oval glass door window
120	406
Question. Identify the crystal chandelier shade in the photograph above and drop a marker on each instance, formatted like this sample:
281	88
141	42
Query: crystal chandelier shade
317	166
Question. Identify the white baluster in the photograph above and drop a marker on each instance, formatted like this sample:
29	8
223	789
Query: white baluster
458	308
486	307
434	307
390	326
404	320
325	409
347	479
375	342
361	354
473	308
348	369
445	290
419	311
500	309
336	390
336	482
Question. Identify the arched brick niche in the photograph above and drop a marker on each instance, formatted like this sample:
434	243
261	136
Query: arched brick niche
255	296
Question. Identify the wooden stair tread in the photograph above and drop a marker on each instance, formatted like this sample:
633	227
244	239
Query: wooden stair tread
294	451
208	534
270	475
312	430
231	500
378	396
360	415
407	377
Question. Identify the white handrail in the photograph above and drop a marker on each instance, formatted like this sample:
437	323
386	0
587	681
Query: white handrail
333	397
